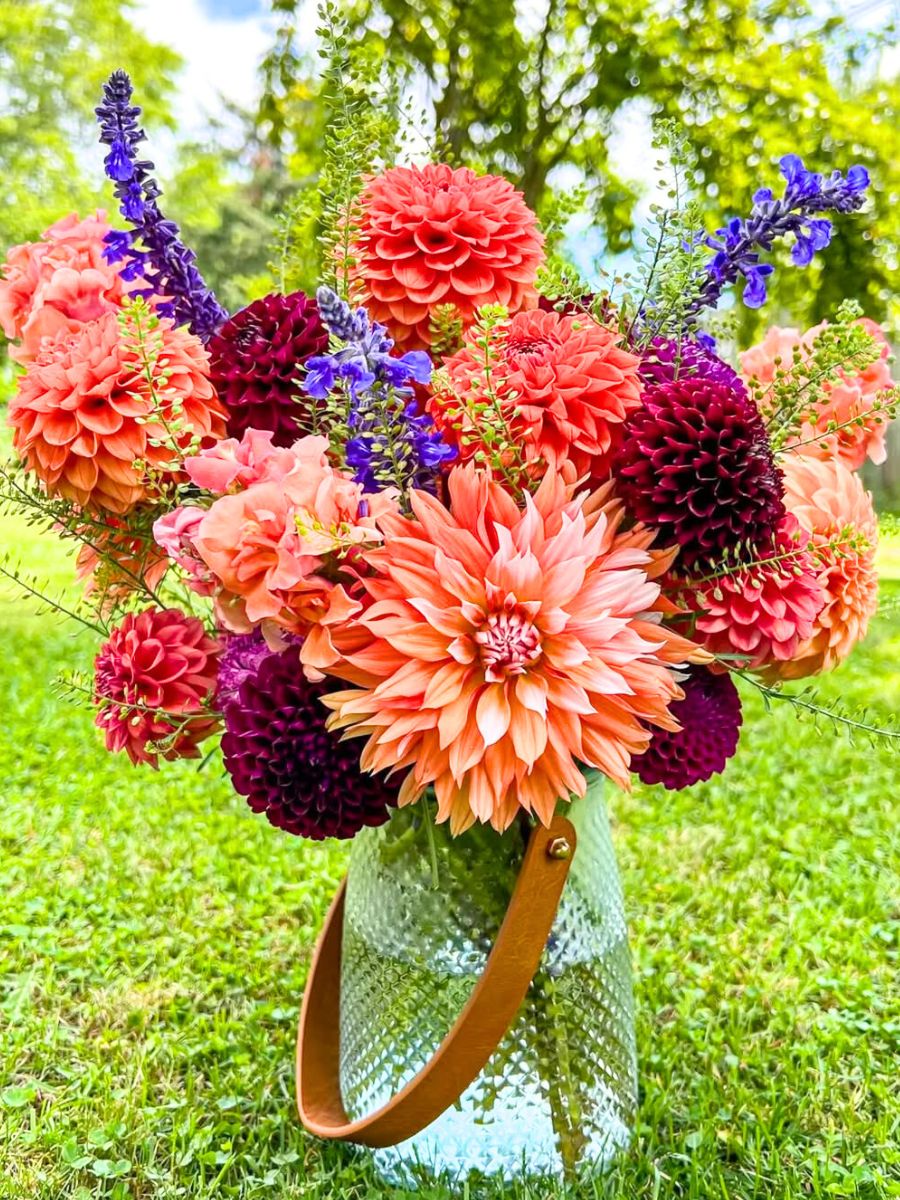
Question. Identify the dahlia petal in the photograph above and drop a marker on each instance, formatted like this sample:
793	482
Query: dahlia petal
492	713
529	735
531	692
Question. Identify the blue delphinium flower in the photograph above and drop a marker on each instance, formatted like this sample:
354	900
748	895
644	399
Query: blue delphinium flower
390	437
738	245
165	262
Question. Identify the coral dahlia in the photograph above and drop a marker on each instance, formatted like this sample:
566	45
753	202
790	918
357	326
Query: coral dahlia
504	647
709	716
432	236
289	766
564	382
832	506
761	613
118	558
696	464
847	422
153	680
256	364
85	414
59	284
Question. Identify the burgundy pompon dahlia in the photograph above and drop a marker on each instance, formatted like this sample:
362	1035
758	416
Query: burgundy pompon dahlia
289	766
710	718
256	364
696	464
666	360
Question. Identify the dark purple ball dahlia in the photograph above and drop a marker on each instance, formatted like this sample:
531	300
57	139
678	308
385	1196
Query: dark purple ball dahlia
696	464
241	657
664	360
710	718
256	362
282	758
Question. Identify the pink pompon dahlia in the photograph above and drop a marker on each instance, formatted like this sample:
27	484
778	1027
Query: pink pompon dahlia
504	648
153	680
283	550
59	284
849	422
565	384
432	235
834	509
759	615
86	415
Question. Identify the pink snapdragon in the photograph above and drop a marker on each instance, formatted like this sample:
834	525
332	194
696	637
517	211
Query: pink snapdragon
174	533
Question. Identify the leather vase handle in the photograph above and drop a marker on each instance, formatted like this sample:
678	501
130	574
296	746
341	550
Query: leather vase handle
485	1018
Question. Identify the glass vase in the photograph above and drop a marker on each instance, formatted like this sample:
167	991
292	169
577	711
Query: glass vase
558	1096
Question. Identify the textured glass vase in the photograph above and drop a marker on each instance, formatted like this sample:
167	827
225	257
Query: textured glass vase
557	1098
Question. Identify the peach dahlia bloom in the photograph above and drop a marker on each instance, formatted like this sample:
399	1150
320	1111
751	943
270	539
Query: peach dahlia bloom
85	413
828	500
506	647
58	284
283	548
433	235
845	424
564	382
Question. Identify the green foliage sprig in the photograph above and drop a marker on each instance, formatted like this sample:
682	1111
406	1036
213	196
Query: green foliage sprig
485	420
668	264
794	396
76	687
32	587
362	100
142	335
743	559
807	703
22	495
446	327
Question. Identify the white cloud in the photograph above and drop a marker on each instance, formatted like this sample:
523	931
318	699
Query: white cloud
221	59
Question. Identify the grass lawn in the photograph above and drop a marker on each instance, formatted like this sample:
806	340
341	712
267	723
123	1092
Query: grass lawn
155	935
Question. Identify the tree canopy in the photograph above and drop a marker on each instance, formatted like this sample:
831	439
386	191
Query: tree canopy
54	56
750	80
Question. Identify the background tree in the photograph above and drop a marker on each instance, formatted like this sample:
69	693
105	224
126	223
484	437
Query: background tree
749	79
54	56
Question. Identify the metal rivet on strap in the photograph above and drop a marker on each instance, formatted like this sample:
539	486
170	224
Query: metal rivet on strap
559	848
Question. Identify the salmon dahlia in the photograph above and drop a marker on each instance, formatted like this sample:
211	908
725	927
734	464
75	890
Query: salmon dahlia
432	236
832	506
849	420
564	383
88	421
504	648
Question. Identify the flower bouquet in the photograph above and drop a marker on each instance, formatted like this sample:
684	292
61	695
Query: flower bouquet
437	551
